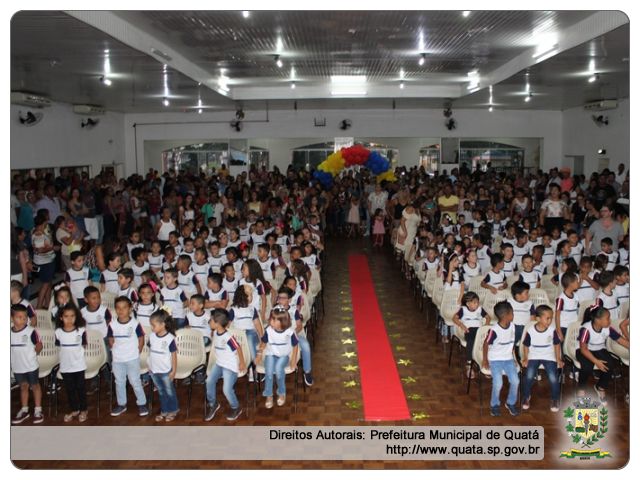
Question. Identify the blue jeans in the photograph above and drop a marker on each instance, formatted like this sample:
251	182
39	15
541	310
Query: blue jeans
519	330
229	381
131	370
100	221
166	392
551	367
305	352
273	364
498	367
180	323
253	341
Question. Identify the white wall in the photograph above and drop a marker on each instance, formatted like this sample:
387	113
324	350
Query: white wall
388	124
581	136
58	140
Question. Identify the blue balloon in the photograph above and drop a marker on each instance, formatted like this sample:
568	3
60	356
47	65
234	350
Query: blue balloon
377	163
324	178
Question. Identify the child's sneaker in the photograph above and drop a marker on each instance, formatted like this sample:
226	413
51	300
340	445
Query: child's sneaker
555	407
119	410
170	417
495	411
83	416
160	417
269	402
143	411
234	414
308	379
513	410
281	400
38	417
212	409
526	404
21	416
70	416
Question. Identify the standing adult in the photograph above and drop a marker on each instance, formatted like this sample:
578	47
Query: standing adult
605	226
44	258
553	210
448	202
376	200
407	229
50	202
622	173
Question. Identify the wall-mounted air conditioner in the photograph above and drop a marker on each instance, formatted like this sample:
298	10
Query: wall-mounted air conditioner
30	100
601	105
88	110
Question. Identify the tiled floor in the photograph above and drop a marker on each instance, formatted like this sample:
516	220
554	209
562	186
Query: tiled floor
435	393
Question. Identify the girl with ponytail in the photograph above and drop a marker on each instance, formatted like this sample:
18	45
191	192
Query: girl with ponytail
163	361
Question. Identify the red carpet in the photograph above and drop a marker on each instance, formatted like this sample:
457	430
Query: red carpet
382	394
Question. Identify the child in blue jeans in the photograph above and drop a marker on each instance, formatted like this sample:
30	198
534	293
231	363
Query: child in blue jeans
542	347
229	362
280	347
163	361
497	354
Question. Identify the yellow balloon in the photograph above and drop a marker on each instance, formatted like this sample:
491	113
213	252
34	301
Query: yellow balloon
388	176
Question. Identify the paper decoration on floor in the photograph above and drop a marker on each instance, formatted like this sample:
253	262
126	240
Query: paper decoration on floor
348	341
392	323
405	362
400	348
350	368
346	317
346	309
349	354
419	416
353	404
350	384
408	380
346	329
395	335
414	396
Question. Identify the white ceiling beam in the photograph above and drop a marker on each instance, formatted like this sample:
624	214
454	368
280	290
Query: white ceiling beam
130	34
591	27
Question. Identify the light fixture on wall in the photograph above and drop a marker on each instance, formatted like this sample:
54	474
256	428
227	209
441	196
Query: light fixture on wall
165	101
278	61
528	97
466	13
401	85
423	57
491	108
594	78
293	85
245	13
105	81
602	151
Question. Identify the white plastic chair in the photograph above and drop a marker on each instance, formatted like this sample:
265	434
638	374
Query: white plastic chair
511	279
491	300
191	357
474	284
449	306
108	300
476	360
48	359
44	322
539	297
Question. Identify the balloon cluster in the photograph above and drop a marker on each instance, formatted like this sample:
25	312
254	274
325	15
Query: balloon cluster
350	156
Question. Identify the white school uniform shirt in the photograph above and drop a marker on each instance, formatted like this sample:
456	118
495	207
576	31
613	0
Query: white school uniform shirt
531	244
226	350
215	296
167	265
541	269
187	282
484	259
165	229
201	273
131	246
174	298
622	293
138	271
611	303
510	266
541	344
129	292
427	265
522	311
469	272
471	318
155	262
279	343
160	352
311	260
24	358
596	340
494	279
568	307
283	241
98	319
78	280
268	268
244	234
613	259
585	291
456	279
243	317
200	323
216	263
549	256
144	311
191	255
125	339
531	277
501	341
71	352
258	291
576	252
518	253
230	286
624	256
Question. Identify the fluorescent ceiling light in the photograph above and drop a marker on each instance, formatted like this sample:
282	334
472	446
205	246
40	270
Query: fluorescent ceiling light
592	65
466	13
165	101
491	109
401	85
222	83
422	58
349	79
245	13
547	56
293	85
474	90
348	93
593	78
543	49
